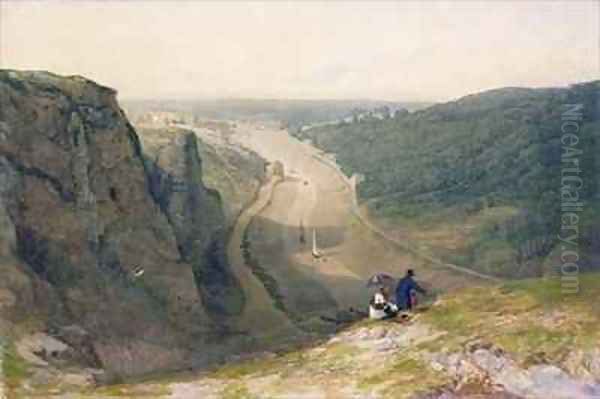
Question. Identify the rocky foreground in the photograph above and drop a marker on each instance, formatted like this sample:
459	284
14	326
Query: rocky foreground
520	340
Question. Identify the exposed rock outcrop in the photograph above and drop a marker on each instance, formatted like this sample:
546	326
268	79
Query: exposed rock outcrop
235	172
82	211
197	216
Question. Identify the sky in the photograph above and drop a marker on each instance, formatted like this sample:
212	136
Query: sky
404	51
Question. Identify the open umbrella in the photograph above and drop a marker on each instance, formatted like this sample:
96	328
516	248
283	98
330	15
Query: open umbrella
381	280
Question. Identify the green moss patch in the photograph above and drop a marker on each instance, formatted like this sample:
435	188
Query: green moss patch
403	379
14	368
237	391
246	368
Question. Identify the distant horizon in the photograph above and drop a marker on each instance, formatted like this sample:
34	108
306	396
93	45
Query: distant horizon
357	99
374	100
352	99
386	51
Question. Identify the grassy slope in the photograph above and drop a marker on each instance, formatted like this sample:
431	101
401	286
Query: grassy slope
527	318
475	180
531	321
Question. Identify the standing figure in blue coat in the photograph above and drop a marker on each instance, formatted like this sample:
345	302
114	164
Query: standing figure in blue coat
405	287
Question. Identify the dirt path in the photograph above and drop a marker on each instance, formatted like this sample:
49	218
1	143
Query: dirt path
317	196
259	305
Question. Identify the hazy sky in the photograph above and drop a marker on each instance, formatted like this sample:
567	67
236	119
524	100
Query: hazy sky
304	49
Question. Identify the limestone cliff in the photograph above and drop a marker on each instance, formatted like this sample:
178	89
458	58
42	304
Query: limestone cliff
197	216
234	172
94	235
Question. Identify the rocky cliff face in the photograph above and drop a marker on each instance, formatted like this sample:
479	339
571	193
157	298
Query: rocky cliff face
237	173
234	172
94	234
196	213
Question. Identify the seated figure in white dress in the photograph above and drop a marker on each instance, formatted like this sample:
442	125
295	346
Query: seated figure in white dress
378	304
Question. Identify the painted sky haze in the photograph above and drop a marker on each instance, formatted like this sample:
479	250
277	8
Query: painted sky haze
420	51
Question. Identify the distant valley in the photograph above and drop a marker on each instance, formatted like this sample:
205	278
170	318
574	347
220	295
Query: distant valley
477	182
180	236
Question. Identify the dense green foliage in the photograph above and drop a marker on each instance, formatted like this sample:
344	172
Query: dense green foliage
498	149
